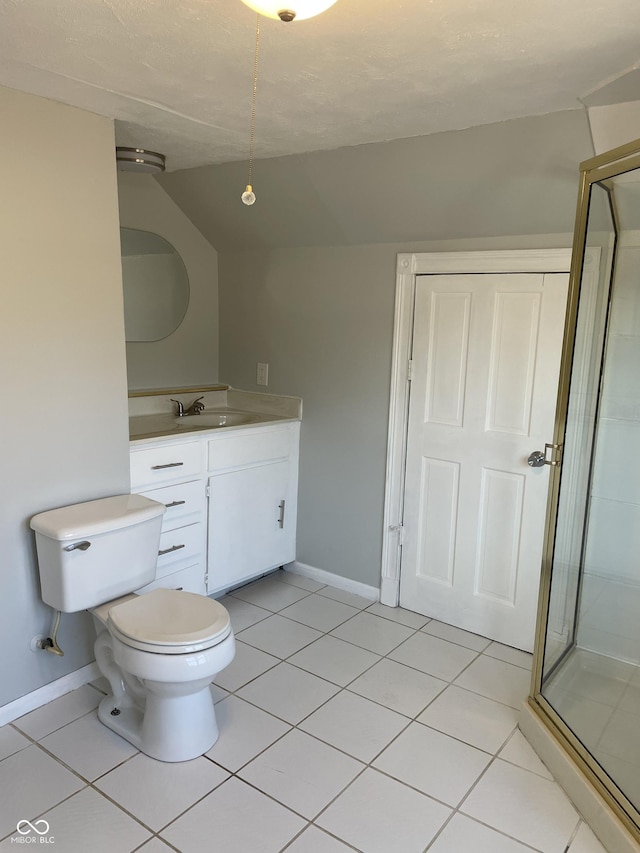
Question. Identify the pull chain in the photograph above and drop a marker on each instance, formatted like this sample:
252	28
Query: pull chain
248	196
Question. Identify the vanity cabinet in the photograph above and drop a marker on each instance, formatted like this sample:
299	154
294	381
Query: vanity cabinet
253	488
231	499
171	472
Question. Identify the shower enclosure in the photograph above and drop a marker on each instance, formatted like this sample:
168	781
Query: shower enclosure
586	679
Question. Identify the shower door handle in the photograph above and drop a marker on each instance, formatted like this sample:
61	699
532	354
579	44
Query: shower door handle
538	458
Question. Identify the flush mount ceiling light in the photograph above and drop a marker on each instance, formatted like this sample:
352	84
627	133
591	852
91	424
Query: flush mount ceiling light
297	10
139	160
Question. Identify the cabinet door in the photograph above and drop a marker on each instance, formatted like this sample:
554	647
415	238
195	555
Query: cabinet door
250	531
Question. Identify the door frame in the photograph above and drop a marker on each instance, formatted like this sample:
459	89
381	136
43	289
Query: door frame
408	267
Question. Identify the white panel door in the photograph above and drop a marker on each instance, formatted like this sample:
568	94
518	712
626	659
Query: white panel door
486	358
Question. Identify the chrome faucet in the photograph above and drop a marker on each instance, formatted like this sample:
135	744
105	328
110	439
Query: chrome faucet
196	407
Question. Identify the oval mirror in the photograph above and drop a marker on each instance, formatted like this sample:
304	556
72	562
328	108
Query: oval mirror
156	286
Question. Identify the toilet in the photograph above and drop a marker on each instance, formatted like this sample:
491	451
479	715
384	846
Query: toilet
159	650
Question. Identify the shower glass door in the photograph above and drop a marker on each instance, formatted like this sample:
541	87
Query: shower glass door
587	666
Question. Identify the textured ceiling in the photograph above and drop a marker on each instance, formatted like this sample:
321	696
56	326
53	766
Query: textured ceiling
177	77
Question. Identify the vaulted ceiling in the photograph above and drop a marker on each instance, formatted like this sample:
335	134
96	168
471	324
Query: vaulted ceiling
177	77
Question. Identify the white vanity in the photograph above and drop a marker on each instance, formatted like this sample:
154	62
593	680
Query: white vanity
230	493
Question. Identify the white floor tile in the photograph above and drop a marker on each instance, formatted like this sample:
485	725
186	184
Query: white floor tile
630	701
398	614
156	792
518	751
319	612
302	773
299	580
621	737
88	747
88	821
334	660
288	692
243	614
585	841
470	717
373	633
360	816
497	680
398	687
234	818
587	719
244	732
625	773
11	741
31	783
434	656
523	805
456	635
247	664
355	725
314	840
464	835
279	636
434	763
58	713
509	655
218	693
270	593
156	846
350	598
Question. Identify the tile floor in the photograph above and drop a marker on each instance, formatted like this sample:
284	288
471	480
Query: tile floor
345	726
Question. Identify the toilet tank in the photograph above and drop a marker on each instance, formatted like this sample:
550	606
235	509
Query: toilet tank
91	552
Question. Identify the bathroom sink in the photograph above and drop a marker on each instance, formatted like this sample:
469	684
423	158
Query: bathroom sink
147	426
211	420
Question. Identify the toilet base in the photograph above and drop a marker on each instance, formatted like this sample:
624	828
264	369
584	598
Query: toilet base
171	728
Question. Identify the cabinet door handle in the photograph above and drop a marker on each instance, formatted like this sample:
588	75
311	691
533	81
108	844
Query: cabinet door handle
169	550
281	507
168	465
175	503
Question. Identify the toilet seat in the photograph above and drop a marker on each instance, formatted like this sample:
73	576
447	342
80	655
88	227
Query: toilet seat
169	622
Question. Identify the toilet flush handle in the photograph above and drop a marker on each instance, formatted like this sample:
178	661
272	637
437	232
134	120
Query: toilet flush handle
82	546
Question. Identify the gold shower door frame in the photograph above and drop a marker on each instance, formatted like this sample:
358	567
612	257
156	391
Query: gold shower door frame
618	161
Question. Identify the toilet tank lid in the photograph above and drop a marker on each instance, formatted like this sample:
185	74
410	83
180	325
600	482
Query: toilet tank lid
94	517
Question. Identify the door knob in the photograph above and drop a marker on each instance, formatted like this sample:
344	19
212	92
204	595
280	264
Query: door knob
539	457
536	459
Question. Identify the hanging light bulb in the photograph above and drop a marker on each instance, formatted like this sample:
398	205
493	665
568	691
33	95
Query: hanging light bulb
289	10
248	196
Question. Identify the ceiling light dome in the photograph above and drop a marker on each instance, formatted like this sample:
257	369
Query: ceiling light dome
289	10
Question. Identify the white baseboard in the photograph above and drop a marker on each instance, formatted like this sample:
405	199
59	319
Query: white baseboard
340	582
45	694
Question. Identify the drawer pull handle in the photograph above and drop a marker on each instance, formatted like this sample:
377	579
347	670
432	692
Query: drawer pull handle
175	503
169	550
281	506
168	465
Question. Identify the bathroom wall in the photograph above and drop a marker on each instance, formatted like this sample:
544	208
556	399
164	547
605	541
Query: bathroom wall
62	357
189	356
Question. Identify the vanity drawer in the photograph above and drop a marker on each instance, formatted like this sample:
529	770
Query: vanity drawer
180	547
164	463
185	503
190	579
250	448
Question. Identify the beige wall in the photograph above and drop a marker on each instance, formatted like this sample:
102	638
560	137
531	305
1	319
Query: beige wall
62	357
189	356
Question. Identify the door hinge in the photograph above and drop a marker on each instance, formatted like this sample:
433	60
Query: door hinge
399	529
207	491
410	370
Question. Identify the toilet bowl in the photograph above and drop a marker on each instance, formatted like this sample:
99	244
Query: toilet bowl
160	652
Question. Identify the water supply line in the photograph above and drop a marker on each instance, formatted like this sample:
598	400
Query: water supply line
50	644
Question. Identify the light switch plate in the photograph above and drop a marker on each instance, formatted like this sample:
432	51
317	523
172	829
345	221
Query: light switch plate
262	374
